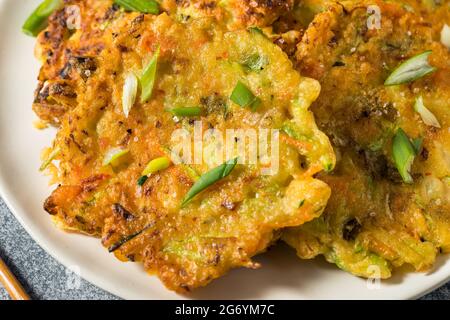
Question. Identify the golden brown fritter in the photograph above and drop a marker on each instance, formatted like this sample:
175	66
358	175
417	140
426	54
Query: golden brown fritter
68	56
200	62
373	217
234	14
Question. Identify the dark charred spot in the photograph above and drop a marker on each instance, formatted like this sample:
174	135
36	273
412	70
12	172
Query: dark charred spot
185	17
107	236
376	164
93	182
424	154
80	219
85	66
122	212
50	206
375	109
62	89
185	287
333	41
61	18
216	260
127	137
64	73
339	64
379	167
111	12
77	144
138	20
122	48
42	92
208	5
351	229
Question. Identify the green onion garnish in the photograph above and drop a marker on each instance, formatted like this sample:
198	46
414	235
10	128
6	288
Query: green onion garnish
49	159
186	112
289	129
410	70
37	21
255	30
126	239
148	77
445	36
113	155
242	96
255	62
417	144
426	115
209	178
403	152
155	165
142	180
129	93
176	159
144	6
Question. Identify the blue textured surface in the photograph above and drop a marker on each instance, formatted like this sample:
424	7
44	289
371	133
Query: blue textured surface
44	278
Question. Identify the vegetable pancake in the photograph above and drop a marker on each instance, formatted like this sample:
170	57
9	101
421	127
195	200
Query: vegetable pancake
234	14
385	104
120	84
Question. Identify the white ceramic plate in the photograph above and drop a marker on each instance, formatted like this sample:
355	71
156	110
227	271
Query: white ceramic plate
282	276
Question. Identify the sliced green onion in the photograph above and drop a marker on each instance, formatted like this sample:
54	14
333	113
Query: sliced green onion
417	144
49	159
144	6
113	155
37	21
290	131
209	178
121	242
445	36
148	77
242	96
186	112
175	158
410	70
142	180
255	62
426	115
155	165
403	152
256	30
302	202
129	93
